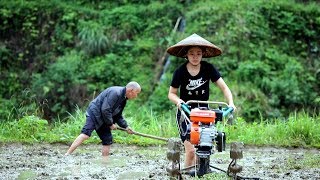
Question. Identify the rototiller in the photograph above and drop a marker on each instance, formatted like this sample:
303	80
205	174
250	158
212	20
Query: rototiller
204	135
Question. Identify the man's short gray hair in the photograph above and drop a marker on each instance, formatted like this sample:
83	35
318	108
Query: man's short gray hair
133	85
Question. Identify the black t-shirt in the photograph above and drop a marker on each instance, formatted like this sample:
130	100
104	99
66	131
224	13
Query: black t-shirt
195	87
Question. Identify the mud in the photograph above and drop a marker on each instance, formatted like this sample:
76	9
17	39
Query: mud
47	161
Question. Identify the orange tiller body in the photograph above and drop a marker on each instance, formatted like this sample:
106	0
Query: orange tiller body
198	116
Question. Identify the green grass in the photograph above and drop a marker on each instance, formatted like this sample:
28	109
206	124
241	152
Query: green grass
298	130
144	121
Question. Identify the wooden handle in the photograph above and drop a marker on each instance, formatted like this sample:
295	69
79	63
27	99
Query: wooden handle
145	135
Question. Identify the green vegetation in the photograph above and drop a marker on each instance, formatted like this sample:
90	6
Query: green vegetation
299	130
56	56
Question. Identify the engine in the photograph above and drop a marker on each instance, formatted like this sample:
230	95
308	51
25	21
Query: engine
202	131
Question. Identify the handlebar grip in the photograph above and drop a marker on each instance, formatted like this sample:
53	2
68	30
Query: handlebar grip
185	108
227	111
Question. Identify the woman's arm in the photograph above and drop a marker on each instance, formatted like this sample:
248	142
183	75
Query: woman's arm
173	96
226	92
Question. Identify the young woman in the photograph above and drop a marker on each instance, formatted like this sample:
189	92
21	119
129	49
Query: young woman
192	80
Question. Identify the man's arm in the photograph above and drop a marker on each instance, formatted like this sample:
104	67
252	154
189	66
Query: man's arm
121	121
106	111
107	107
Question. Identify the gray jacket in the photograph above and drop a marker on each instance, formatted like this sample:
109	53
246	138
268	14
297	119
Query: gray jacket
107	107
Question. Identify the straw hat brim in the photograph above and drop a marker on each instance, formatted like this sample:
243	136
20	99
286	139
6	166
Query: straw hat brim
181	48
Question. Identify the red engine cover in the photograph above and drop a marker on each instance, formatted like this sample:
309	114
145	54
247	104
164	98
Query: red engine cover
203	116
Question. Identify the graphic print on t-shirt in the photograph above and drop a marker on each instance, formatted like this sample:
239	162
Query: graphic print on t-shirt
194	84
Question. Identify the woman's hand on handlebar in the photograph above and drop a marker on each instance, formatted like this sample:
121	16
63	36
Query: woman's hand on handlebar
233	106
180	101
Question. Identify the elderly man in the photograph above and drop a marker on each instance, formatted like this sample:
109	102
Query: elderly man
103	112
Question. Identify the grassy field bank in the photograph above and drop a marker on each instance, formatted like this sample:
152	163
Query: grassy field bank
299	130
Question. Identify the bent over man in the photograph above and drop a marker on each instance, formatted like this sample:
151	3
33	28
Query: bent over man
102	114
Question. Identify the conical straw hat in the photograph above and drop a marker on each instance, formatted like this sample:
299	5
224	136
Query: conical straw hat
180	49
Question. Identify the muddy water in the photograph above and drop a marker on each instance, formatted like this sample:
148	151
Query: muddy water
47	161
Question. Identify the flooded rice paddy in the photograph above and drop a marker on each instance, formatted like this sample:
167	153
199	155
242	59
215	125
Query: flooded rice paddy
47	161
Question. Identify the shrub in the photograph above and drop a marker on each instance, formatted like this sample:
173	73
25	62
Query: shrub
29	128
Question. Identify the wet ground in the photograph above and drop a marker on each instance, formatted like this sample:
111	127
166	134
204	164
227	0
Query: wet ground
47	161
